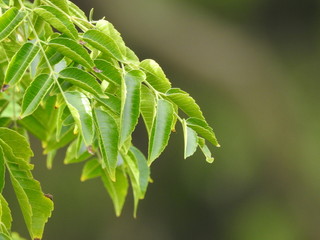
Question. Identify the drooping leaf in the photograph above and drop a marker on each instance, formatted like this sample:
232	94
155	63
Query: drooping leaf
155	75
58	19
76	154
35	93
5	215
131	103
91	169
20	62
36	208
80	108
81	79
190	140
161	130
72	50
147	107
108	71
2	170
206	151
10	20
112	102
103	43
34	126
185	102
17	142
108	134
117	190
203	129
144	170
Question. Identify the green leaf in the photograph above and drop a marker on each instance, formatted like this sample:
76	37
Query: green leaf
91	169
34	126
76	11
161	130
62	4
81	79
117	190
190	140
36	208
80	108
206	151
76	154
72	50
35	93
112	102
144	170
203	129
147	107
20	62
5	214
103	43
131	103
185	102
108	134
108	71
107	28
155	75
17	142
57	19
5	121
2	171
9	21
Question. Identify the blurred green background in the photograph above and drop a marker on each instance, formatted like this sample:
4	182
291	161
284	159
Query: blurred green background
253	67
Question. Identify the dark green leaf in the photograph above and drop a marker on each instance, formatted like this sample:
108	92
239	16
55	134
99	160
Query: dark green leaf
108	133
131	103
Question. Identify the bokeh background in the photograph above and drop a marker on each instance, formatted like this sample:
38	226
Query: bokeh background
253	67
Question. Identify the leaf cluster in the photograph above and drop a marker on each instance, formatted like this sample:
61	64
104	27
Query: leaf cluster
72	82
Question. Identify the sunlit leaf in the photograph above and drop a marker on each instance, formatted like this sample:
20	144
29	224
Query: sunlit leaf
5	214
155	75
185	102
161	129
58	19
10	20
62	4
2	170
81	79
108	71
206	151
103	43
35	93
20	62
72	50
36	208
203	129
190	140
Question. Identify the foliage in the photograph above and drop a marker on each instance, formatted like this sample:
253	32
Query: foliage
72	82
